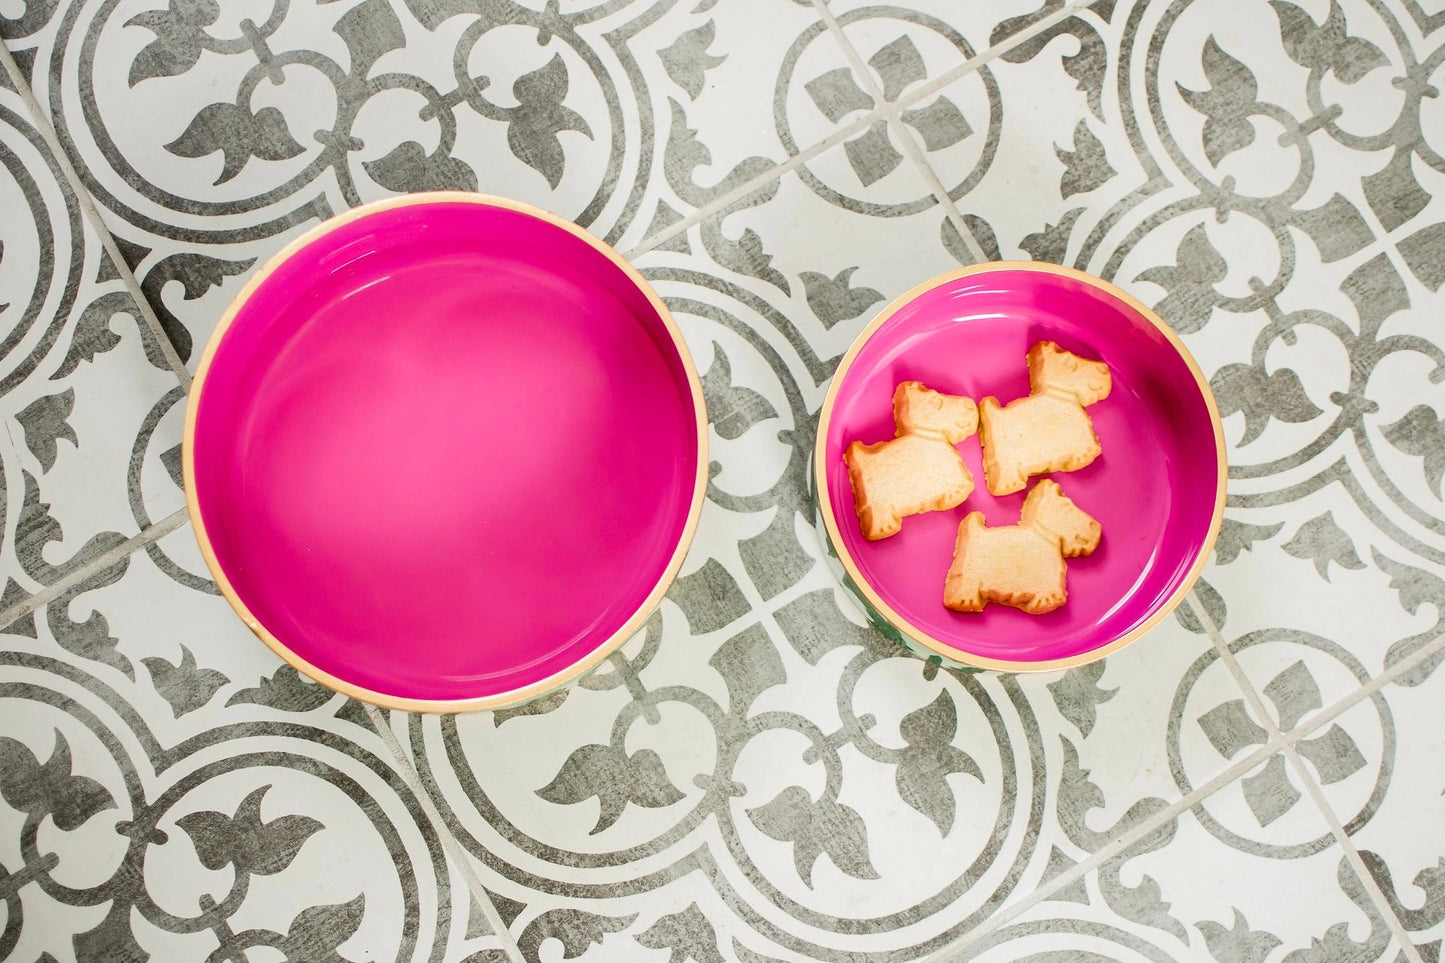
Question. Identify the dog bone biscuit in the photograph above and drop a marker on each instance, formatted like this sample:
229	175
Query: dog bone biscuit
1020	565
918	470
1047	431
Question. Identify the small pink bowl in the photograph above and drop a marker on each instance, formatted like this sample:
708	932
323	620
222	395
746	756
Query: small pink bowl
1157	489
445	452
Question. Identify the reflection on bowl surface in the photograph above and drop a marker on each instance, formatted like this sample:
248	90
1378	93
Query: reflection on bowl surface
446	450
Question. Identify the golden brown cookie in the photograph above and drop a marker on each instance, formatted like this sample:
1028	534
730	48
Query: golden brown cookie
918	470
1047	431
1020	565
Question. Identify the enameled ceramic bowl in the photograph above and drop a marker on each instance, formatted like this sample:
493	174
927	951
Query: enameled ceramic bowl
1157	489
445	452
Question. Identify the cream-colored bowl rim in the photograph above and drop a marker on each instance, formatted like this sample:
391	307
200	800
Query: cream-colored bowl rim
498	700
820	475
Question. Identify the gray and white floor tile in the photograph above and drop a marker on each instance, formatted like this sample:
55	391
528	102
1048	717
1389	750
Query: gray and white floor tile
757	776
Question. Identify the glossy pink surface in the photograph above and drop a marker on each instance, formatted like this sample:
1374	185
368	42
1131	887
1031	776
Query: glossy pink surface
1153	488
445	451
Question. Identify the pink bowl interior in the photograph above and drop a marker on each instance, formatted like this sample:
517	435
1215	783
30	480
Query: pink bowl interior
1153	488
445	451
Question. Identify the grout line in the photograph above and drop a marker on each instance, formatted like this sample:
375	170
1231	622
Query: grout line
1334	710
920	161
453	848
1277	742
1352	855
883	111
102	561
950	210
901	134
1227	657
1204	619
1316	794
1330	712
1120	845
1018	38
779	171
92	215
775	173
850	53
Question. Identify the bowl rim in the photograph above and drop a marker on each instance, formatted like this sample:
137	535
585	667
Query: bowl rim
855	574
511	697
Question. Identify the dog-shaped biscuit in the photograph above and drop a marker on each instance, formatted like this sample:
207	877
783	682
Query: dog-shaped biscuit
1020	565
1047	431
918	470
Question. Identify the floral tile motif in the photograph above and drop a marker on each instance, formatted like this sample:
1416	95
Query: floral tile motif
1408	869
957	133
1200	899
1249	183
760	751
87	458
756	776
1334	585
938	801
1306	660
906	43
1222	118
1352	756
1224	175
172	789
242	127
1034	188
808	262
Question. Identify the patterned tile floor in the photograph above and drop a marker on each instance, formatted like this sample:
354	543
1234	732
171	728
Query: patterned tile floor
756	777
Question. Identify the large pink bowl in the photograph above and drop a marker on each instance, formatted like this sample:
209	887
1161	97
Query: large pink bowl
1157	489
445	452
